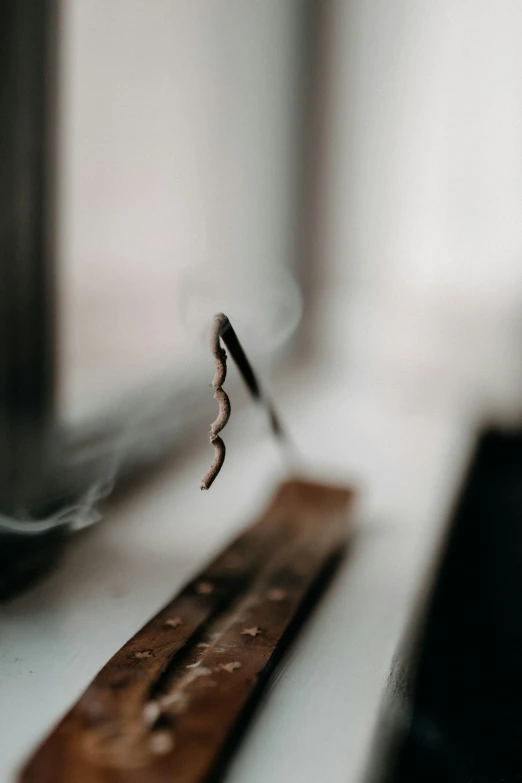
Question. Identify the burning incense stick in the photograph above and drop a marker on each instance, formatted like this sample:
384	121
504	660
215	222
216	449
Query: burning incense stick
222	330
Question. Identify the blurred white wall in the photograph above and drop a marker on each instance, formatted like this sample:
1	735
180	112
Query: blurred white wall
178	133
177	175
422	210
425	161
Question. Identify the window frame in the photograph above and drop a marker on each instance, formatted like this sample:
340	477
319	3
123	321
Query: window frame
41	461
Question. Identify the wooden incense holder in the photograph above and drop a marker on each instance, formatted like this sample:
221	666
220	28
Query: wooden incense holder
172	702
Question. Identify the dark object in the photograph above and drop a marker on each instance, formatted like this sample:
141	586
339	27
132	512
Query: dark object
173	701
466	724
27	339
27	359
24	559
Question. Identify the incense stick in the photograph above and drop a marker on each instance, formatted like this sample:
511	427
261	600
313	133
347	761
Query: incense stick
223	330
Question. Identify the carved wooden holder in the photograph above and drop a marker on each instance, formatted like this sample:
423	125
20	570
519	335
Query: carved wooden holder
171	704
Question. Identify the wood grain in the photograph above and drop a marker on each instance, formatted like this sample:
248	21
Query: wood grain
170	704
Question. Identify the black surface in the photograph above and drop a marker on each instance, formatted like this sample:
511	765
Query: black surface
28	30
23	560
467	707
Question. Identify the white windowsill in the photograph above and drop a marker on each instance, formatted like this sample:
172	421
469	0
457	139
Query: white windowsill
318	718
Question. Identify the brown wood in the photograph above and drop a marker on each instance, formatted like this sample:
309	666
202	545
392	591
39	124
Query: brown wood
171	701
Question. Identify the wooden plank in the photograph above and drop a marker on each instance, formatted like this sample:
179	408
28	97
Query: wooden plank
170	704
